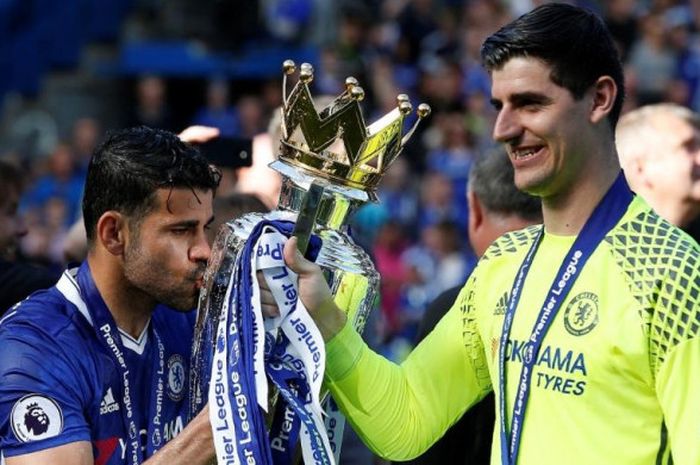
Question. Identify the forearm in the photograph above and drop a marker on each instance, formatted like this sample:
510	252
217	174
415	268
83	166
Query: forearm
193	446
399	411
329	319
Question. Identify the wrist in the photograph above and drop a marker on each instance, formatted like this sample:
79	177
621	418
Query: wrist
329	319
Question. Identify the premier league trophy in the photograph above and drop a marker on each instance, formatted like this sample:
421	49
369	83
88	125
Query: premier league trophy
331	163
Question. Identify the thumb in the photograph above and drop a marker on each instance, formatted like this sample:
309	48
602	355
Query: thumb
295	260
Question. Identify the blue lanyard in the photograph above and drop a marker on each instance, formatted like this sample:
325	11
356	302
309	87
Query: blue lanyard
108	335
605	216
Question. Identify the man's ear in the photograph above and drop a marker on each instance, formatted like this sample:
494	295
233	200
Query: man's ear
604	94
112	231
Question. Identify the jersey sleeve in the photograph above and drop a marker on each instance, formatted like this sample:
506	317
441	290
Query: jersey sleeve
41	400
675	361
400	410
676	384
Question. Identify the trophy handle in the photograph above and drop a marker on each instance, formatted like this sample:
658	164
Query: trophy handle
307	215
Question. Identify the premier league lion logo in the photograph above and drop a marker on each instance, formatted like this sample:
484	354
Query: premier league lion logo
35	420
35	417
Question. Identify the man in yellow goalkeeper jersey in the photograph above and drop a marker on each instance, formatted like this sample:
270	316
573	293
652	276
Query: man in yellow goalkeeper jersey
586	328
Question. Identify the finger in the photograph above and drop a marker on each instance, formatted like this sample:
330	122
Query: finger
268	304
294	259
270	311
198	134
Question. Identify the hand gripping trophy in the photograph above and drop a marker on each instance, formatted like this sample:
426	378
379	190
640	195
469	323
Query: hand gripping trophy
262	377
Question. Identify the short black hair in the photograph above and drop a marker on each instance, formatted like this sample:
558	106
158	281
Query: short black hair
491	178
130	165
573	41
11	179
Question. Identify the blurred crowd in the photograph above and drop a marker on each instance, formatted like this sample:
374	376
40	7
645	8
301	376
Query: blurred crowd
428	49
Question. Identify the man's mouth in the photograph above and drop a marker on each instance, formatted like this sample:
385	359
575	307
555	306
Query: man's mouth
524	153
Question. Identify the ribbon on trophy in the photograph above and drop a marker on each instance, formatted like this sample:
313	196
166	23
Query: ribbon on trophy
288	349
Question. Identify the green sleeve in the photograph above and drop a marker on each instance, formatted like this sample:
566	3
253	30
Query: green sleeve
400	410
674	349
677	382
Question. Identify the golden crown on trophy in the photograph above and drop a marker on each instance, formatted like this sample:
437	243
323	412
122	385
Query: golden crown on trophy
334	143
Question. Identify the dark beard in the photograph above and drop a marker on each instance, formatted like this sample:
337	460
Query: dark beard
148	278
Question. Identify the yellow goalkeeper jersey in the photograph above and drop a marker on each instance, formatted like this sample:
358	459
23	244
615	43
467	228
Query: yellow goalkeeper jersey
615	381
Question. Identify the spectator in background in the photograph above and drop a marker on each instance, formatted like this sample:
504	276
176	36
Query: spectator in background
659	149
259	178
86	134
251	116
685	87
417	21
451	263
496	207
621	19
218	111
51	205
18	279
62	181
231	206
652	61
453	157
287	20
389	245
151	108
397	195
437	202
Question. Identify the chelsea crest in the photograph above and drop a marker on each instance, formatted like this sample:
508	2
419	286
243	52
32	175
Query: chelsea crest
581	315
176	377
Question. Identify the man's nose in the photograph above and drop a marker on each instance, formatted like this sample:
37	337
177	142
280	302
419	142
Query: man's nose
507	126
200	250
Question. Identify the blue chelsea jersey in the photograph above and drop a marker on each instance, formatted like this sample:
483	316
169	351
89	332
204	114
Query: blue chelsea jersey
60	384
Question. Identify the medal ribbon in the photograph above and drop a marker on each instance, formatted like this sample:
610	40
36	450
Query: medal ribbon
109	337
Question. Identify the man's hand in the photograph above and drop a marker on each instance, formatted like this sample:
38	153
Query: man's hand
198	134
313	292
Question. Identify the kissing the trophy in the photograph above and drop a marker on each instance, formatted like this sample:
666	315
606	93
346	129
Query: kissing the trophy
262	376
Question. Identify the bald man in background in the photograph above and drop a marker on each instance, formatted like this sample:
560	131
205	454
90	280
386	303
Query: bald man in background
659	149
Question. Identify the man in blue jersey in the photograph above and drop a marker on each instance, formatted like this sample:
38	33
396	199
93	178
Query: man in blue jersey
93	369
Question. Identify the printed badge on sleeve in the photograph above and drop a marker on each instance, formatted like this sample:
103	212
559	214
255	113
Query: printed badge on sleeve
36	417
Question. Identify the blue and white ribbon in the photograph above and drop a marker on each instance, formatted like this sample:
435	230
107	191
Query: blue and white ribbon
288	349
